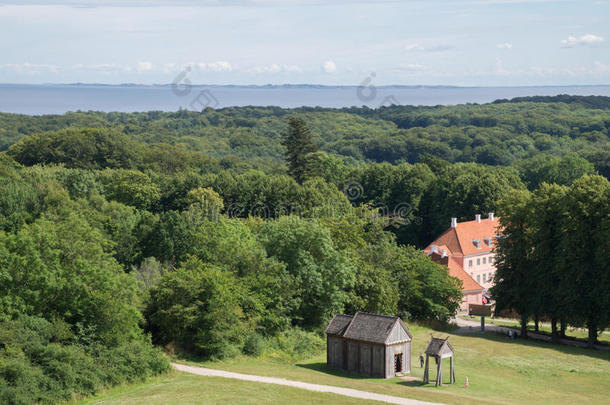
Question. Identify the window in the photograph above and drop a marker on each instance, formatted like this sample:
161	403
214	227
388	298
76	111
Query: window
478	278
469	263
491	260
484	260
478	262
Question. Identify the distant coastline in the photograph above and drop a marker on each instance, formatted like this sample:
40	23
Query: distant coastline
38	99
299	85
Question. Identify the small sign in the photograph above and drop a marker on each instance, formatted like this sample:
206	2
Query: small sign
482	310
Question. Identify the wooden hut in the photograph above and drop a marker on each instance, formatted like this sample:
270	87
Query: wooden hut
369	344
439	349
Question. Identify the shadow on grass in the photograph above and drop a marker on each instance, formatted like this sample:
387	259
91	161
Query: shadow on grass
323	368
413	383
501	338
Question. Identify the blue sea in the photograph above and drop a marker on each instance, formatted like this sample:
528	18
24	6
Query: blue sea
58	99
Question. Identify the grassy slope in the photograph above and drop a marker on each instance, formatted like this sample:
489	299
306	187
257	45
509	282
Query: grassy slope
499	371
181	388
579	333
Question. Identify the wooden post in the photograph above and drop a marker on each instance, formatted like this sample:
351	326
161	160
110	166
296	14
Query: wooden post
426	375
439	372
482	324
452	371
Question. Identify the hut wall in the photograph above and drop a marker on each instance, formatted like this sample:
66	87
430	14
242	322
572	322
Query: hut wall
378	361
335	352
352	357
391	351
397	334
364	366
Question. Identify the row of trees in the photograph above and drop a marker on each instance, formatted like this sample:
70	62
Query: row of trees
552	261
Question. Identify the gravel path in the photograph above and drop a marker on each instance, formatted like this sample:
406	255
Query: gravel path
348	392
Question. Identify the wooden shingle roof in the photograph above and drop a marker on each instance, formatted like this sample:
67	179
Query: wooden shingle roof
366	327
438	347
338	324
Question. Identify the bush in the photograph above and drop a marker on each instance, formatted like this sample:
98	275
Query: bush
294	344
254	345
35	368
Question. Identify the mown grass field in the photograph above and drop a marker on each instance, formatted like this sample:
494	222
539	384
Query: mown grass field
179	388
579	333
499	372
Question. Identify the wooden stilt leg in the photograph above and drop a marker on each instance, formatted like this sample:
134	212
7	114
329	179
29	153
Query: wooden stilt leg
439	374
451	371
426	375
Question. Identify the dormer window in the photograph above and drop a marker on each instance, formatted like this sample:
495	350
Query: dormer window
487	241
477	243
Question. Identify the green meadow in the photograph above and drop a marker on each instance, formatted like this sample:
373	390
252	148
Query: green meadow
499	372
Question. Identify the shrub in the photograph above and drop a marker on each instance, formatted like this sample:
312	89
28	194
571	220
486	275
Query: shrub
254	345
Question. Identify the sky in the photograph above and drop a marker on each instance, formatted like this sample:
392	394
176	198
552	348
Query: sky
331	42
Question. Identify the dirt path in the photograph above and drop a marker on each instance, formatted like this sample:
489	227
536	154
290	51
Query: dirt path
348	392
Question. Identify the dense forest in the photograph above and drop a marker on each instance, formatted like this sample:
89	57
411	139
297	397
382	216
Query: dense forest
240	229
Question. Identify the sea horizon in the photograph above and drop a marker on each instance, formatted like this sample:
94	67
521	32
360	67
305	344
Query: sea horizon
52	98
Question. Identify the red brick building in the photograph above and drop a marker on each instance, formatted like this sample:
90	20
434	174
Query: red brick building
466	249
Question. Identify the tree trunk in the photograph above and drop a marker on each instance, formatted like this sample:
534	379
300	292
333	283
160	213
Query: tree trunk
524	319
554	336
536	322
592	326
563	327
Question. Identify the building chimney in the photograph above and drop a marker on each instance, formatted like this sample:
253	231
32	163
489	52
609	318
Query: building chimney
478	218
454	222
433	249
491	216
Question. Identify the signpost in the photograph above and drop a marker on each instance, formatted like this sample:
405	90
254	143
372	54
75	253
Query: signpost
481	310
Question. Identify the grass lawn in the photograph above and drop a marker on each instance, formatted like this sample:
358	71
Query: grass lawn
579	333
499	371
180	388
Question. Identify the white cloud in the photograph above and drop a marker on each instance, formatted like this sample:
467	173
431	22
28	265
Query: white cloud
414	47
505	45
409	67
587	39
601	67
220	66
275	68
30	68
499	68
428	48
329	66
144	66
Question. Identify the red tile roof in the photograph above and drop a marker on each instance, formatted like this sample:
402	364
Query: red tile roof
459	240
456	270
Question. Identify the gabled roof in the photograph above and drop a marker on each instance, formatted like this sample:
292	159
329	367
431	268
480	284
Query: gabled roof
458	240
456	270
365	327
437	346
338	324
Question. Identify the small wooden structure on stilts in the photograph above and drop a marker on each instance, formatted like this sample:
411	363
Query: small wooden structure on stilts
439	349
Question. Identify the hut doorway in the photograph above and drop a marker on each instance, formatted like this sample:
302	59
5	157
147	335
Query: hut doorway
398	363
